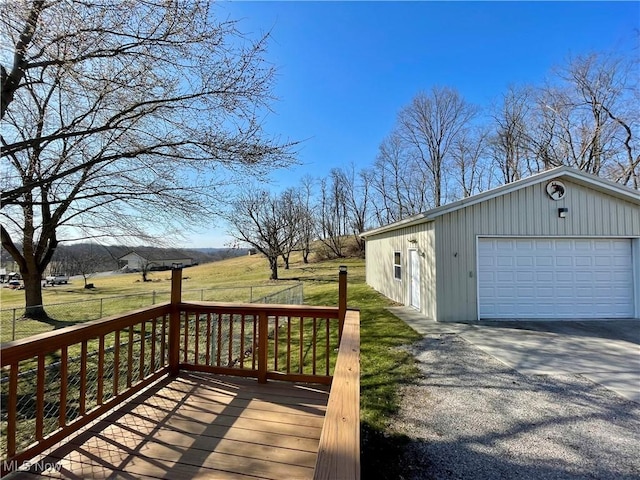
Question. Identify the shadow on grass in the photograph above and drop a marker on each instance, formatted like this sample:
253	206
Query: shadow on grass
382	453
53	322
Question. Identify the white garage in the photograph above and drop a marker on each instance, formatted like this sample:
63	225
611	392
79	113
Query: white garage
555	278
561	244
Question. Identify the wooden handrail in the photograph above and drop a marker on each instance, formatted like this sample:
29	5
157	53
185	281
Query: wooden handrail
339	449
270	309
43	343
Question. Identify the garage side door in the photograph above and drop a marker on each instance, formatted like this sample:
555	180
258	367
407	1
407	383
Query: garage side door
555	278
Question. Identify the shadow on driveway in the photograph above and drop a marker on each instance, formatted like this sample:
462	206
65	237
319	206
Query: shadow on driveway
625	330
472	416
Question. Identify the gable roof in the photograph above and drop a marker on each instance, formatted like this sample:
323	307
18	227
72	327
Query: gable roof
154	254
577	176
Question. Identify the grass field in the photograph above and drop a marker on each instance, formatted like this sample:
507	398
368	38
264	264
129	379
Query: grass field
384	366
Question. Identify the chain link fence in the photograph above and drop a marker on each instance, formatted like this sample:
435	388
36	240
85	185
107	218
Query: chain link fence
14	326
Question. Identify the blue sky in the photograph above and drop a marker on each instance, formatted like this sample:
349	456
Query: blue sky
345	69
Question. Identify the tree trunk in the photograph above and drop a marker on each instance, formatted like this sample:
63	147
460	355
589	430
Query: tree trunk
33	295
273	265
31	268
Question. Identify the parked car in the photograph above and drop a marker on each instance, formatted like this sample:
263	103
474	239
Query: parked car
57	278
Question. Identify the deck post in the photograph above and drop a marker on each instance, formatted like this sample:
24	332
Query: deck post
342	298
174	321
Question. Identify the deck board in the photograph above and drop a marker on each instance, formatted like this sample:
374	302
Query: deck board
201	426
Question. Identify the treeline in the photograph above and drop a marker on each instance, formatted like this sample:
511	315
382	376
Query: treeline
88	258
443	148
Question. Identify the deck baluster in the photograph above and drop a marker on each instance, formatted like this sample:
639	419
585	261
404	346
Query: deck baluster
40	398
83	378
64	372
100	391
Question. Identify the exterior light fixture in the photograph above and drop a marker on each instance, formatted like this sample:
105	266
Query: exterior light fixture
562	212
176	266
342	269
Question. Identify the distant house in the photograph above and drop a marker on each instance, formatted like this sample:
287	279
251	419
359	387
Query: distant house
5	277
561	244
153	260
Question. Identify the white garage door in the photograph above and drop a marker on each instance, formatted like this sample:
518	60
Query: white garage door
555	278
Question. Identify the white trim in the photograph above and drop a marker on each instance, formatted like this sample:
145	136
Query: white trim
407	222
410	279
635	259
476	275
397	265
631	237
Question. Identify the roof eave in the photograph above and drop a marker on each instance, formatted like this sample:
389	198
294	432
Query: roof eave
578	176
407	222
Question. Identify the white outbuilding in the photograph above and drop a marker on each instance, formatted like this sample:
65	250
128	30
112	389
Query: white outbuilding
153	260
561	244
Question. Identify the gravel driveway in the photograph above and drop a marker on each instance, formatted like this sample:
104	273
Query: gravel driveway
472	417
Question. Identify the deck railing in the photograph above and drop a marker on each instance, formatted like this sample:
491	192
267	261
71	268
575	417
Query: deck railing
57	382
276	342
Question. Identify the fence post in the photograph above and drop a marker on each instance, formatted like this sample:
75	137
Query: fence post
100	309
153	297
13	327
174	321
342	298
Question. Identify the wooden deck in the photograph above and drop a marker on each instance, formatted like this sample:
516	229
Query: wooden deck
199	425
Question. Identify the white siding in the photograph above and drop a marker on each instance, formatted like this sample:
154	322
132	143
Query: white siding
379	265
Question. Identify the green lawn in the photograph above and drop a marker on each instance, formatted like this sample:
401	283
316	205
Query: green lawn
384	366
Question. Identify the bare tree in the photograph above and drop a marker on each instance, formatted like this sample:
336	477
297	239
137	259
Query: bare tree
83	259
256	219
474	172
123	119
589	117
291	214
399	186
358	198
307	217
429	126
85	263
333	224
510	144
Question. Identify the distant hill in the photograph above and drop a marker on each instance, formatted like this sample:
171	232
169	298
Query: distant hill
105	258
226	252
